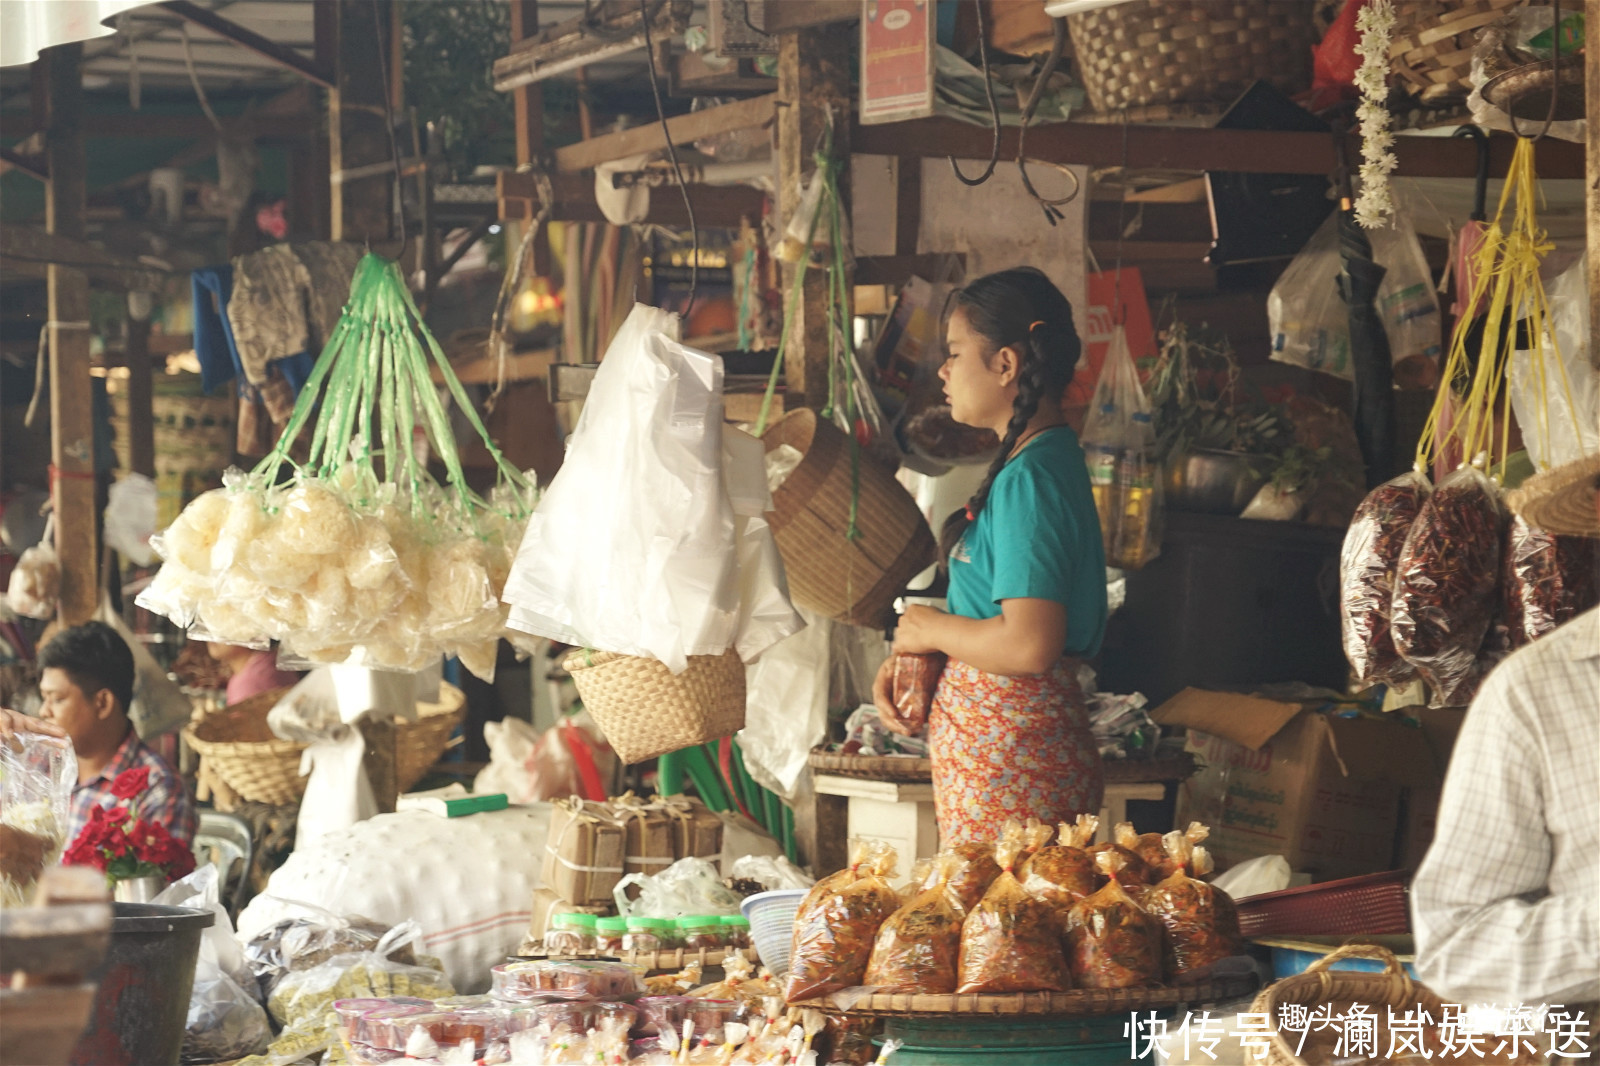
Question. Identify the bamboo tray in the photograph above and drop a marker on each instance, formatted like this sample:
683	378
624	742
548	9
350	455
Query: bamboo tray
920	771
1087	1001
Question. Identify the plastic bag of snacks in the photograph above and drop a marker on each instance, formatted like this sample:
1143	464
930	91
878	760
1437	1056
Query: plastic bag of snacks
916	677
301	943
1547	581
833	937
1111	941
1367	565
1010	942
1060	876
919	947
36	781
1131	871
864	856
1155	849
524	981
1447	583
738	983
1201	922
975	871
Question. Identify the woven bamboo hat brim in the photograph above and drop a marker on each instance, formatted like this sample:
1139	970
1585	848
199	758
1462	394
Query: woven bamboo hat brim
1562	501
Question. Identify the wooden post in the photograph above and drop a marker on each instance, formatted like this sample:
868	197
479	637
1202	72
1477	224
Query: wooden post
71	398
1591	42
358	135
528	104
141	388
813	76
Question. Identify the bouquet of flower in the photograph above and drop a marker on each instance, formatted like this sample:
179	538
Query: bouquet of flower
124	846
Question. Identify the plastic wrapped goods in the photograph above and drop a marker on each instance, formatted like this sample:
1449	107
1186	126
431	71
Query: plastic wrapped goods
1010	941
36	782
864	855
1131	870
834	936
1155	849
919	947
1547	581
1060	876
1367	565
1200	920
1111	941
574	980
1447	584
974	873
916	677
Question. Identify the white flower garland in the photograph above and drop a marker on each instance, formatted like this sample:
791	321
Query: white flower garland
1373	203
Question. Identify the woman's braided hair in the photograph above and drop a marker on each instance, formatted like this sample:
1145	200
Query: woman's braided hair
1023	309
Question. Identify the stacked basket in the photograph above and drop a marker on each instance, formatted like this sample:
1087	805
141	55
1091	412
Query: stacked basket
194	439
645	710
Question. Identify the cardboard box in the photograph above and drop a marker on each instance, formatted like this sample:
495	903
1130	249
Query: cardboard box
697	828
1280	778
1420	804
650	840
546	905
584	852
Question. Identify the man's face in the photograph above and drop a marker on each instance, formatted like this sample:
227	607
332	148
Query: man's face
65	704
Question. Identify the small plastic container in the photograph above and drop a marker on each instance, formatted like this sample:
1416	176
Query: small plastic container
524	981
710	1015
571	934
578	1016
701	933
647	936
388	1027
625	1015
609	934
736	931
659	1014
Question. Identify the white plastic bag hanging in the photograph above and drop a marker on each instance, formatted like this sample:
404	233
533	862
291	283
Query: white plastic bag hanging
1124	473
1555	390
226	1021
338	794
130	519
786	706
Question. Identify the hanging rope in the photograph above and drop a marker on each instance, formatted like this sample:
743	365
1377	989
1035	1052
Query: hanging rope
672	153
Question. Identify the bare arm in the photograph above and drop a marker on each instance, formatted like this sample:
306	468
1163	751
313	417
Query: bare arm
1026	638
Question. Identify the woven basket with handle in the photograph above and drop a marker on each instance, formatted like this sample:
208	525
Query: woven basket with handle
1151	52
1431	46
853	581
646	710
239	747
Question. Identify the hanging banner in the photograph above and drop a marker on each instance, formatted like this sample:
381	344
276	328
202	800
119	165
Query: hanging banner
1112	296
897	50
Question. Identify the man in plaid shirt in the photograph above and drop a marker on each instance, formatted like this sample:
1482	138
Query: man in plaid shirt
86	679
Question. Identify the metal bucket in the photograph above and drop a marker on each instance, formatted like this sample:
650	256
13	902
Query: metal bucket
145	982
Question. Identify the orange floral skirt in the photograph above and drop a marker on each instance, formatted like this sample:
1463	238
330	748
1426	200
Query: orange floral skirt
1010	747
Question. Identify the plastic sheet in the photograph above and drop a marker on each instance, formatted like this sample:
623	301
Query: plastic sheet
1447	583
37	776
1010	942
1367	565
1201	922
687	887
1555	390
1111	941
837	926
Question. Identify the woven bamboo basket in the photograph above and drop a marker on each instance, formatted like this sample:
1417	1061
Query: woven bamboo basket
1152	52
646	710
238	746
854	581
1431	46
194	439
872	767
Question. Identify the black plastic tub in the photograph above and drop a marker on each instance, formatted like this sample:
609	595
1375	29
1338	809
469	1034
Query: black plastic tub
145	982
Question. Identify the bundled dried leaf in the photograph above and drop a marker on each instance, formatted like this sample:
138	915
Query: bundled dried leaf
1367	565
1060	876
1111	941
1010	941
919	947
833	941
1200	920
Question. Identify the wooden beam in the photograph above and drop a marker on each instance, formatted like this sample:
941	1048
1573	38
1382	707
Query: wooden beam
1591	51
744	114
71	397
29	251
362	210
898	269
141	398
1183	148
29	165
251	41
714	205
781	16
574	44
140	124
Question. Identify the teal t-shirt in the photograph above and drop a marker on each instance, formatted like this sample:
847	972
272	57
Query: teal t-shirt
1037	537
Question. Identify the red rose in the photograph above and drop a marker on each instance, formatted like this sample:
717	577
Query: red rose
130	783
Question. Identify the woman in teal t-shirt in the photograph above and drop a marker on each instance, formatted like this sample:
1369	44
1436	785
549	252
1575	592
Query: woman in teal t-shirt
1010	732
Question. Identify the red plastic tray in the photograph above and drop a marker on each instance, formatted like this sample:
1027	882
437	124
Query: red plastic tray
1369	905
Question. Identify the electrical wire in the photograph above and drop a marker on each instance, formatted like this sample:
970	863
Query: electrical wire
672	153
384	46
994	109
1057	48
194	78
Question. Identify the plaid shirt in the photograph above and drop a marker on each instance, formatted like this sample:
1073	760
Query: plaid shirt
164	800
1506	906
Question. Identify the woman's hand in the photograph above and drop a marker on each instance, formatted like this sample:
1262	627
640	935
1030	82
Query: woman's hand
917	632
883	699
12	723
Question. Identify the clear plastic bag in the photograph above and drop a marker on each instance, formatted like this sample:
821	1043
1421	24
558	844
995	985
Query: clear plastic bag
1125	475
687	887
833	941
1111	941
1010	941
37	776
1555	392
1201	922
1547	581
1367	565
919	947
1132	872
35	585
1447	585
916	677
1060	876
226	1021
295	944
771	873
974	873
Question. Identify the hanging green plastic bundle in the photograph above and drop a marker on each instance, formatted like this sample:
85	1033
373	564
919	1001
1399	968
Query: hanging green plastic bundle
359	556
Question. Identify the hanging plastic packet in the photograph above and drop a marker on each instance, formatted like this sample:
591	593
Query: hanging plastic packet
1124	472
1131	870
1547	581
37	776
1010	941
864	854
1367	565
833	942
1060	876
919	946
802	229
1447	583
1111	941
1201	922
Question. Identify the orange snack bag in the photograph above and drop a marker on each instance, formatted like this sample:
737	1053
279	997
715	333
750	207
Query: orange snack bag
1200	921
1061	875
1111	941
975	872
919	947
1134	872
833	940
916	677
1010	941
863	854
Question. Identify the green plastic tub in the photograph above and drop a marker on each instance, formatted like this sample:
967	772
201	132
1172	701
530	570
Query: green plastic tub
1030	1039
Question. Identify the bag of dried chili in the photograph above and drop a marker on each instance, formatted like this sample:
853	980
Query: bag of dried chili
1062	875
833	941
976	871
1010	942
1200	920
1447	584
1111	941
915	679
919	946
1367	566
1548	581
